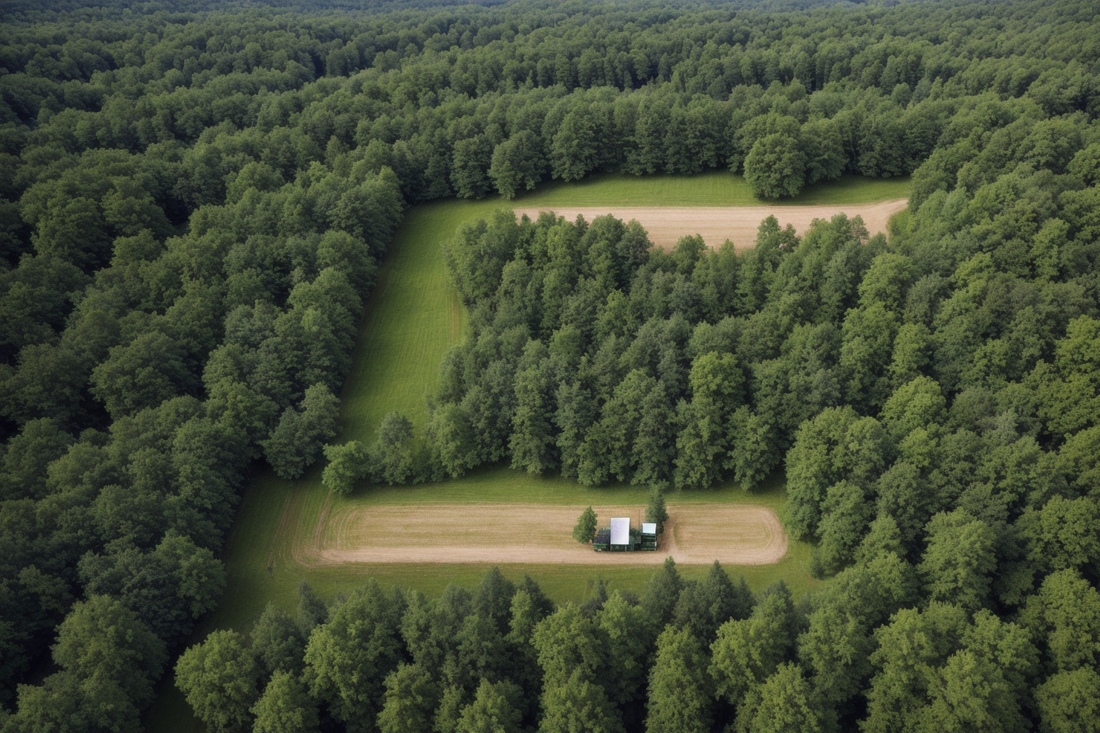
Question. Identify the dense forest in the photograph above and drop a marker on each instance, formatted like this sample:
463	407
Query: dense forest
195	202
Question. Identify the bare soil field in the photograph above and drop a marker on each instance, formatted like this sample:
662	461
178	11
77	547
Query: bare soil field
666	224
733	534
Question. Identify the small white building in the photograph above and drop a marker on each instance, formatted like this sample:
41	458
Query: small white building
620	532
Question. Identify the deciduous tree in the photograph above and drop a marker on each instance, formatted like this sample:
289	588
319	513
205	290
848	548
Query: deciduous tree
585	528
220	678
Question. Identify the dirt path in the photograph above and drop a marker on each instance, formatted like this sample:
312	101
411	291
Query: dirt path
733	534
666	224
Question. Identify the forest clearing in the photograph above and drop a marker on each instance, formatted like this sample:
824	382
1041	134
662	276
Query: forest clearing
733	534
411	318
665	225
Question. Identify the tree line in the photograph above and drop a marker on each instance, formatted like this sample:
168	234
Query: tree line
181	361
197	201
154	348
872	650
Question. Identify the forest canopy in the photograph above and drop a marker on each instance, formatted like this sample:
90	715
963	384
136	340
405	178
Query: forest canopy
195	202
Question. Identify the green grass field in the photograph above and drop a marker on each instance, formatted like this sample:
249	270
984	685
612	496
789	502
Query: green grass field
714	188
261	539
412	317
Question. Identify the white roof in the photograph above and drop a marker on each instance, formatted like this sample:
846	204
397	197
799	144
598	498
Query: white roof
649	528
620	530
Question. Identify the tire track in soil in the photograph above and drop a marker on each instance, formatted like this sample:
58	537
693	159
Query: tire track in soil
291	509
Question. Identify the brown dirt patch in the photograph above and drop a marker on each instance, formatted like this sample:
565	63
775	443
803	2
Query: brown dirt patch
666	224
733	534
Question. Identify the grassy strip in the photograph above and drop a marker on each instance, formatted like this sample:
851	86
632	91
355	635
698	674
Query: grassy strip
713	188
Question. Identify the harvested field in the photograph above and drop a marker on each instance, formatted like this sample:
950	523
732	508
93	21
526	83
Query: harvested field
733	534
666	224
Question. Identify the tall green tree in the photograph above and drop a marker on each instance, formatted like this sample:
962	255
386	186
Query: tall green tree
470	167
629	638
680	697
776	167
391	457
578	704
1067	702
220	679
517	164
846	514
655	510
569	642
532	439
494	710
705	605
348	659
574	147
784	702
411	699
585	529
297	440
277	641
748	651
938	669
141	374
1064	618
653	452
662	593
101	638
960	559
347	464
285	707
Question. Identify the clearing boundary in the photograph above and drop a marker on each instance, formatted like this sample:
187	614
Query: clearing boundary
667	224
411	319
